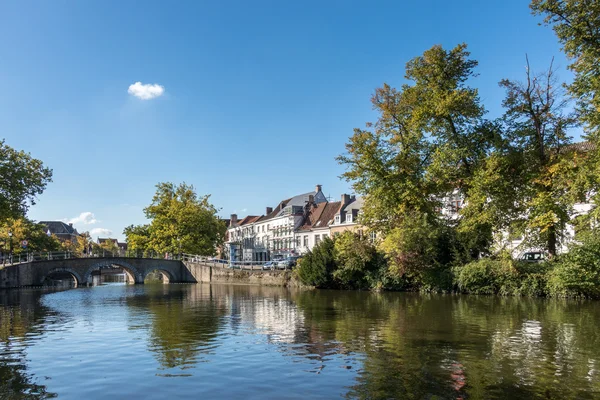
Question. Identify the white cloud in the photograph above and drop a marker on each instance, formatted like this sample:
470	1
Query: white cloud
100	232
146	91
86	218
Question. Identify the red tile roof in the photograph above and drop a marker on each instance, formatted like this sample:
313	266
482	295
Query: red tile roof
320	215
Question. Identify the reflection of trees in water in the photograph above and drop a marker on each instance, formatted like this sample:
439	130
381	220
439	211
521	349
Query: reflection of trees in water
417	346
184	324
20	315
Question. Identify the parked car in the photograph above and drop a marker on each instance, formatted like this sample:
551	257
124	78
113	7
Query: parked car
533	256
269	265
289	262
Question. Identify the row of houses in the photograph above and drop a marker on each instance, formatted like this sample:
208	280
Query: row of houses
291	228
299	223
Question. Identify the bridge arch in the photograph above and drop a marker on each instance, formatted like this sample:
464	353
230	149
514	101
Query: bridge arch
167	275
72	272
129	269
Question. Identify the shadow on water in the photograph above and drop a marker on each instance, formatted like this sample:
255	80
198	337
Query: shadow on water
21	316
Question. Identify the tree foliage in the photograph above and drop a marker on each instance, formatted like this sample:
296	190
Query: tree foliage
25	229
180	221
23	178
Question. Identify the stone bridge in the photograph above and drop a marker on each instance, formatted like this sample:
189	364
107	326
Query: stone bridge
81	269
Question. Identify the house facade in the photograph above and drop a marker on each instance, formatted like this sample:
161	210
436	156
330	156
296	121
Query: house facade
292	228
274	234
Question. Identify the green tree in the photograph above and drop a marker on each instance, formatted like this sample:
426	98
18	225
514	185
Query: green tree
317	266
23	178
109	246
23	229
138	239
359	264
430	139
577	26
180	221
536	126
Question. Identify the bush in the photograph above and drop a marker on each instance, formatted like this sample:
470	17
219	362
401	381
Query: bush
317	266
487	276
358	263
577	273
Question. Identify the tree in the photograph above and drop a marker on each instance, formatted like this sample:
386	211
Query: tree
180	221
359	264
317	266
430	138
24	229
577	26
536	127
138	238
109	246
23	178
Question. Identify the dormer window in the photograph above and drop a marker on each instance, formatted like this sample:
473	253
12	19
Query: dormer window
349	217
337	219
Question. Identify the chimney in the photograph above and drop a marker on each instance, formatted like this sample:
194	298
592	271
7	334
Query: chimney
269	210
311	199
318	188
71	224
233	220
345	199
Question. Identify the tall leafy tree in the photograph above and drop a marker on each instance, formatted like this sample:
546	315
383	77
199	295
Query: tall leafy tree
429	140
180	221
23	178
577	26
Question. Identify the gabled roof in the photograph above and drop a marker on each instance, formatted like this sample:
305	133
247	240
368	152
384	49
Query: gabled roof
59	228
248	220
328	214
312	216
320	215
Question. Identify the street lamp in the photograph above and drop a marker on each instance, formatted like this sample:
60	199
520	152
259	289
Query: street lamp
10	248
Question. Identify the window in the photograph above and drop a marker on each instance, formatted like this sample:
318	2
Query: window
325	235
456	205
349	217
373	236
263	228
297	241
336	234
305	240
317	239
337	219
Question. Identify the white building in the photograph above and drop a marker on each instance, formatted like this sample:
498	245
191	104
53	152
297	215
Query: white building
273	235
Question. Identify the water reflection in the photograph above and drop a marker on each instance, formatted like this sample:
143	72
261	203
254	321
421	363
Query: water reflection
246	341
18	320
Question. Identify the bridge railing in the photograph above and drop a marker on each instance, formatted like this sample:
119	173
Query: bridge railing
25	257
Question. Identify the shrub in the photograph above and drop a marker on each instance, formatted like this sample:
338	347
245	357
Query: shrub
317	266
487	276
577	273
358	263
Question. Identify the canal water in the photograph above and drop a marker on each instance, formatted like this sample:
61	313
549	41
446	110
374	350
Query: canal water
245	342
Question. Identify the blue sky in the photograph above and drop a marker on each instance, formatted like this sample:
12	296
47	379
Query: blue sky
259	96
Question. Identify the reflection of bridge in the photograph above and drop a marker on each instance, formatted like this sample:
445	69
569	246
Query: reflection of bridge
82	269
